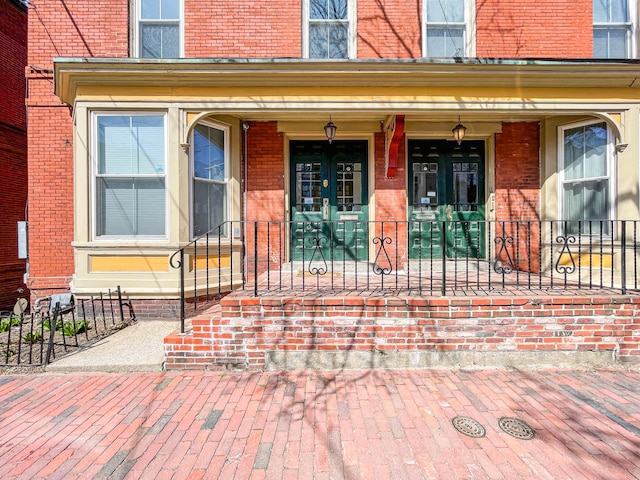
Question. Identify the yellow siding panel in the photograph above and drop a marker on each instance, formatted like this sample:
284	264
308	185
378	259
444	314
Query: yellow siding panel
594	260
109	263
200	261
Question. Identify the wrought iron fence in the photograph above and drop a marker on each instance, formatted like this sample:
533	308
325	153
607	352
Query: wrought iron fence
58	325
422	257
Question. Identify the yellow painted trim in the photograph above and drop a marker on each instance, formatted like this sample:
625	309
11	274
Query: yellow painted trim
148	263
594	260
191	116
214	262
354	94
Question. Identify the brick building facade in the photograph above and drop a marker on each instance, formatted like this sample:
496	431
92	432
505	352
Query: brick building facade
13	148
168	118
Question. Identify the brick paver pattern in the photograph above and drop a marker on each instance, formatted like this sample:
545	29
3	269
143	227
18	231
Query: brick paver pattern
319	425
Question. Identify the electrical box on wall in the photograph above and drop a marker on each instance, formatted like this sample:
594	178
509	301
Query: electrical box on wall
22	240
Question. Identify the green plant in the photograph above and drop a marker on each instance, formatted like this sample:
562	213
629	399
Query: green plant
73	328
32	337
47	324
6	323
9	352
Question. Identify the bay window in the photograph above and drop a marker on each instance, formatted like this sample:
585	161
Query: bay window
586	187
130	175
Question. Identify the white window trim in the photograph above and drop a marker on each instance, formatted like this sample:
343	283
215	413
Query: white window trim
470	28
227	167
611	161
94	175
632	25
136	11
352	16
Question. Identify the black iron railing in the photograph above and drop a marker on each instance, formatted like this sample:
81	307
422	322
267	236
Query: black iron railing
422	257
54	329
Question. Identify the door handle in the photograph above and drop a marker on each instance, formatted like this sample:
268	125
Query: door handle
449	213
325	209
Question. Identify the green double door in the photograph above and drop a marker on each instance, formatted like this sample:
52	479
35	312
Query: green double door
329	200
446	199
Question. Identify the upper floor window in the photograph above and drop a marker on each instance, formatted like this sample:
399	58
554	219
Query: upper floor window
612	29
330	28
129	175
209	173
446	28
159	28
586	186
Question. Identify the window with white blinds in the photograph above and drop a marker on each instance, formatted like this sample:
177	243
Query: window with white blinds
130	175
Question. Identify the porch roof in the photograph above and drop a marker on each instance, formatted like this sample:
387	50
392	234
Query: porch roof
71	73
486	89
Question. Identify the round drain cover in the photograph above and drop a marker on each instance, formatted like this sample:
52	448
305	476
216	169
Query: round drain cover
468	426
516	428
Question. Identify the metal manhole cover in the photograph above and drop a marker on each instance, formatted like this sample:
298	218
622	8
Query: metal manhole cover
468	426
516	428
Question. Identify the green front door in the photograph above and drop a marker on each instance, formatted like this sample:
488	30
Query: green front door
446	199
329	200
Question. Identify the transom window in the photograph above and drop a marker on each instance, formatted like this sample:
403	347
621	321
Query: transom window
209	173
130	175
446	28
330	28
586	157
159	28
612	29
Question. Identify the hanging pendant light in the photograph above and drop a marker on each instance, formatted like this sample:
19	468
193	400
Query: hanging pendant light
330	130
459	131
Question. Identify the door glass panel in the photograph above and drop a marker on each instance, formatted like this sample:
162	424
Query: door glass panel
465	187
425	186
308	187
349	183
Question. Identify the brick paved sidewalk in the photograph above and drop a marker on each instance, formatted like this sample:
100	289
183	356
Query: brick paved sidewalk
320	425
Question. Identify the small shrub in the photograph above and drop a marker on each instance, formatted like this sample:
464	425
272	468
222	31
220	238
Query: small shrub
6	323
71	329
32	337
47	324
9	352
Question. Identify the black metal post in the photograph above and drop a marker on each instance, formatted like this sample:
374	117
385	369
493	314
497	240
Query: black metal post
623	256
443	239
182	291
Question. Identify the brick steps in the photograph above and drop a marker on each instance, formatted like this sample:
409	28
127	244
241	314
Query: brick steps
409	332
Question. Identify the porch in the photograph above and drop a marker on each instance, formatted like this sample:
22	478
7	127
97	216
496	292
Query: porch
517	293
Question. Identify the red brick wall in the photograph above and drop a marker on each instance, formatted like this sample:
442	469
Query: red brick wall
389	29
243	29
265	193
517	195
525	29
248	329
13	148
60	29
517	172
391	204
